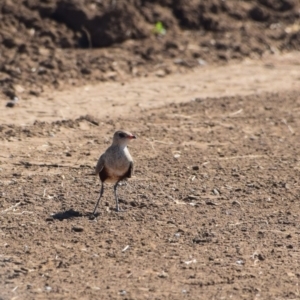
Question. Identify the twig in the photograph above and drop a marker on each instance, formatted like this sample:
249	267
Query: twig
151	143
125	248
168	195
29	164
240	156
22	213
292	131
226	125
10	208
179	116
161	142
276	231
235	113
88	36
250	222
206	113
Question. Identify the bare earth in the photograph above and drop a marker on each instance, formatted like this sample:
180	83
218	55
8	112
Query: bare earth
271	74
211	213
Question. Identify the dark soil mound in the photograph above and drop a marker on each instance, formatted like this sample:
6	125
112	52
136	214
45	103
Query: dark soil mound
61	42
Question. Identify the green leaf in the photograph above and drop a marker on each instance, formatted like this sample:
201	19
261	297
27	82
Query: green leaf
159	28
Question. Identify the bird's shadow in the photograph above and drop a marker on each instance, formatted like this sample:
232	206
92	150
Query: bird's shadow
71	213
68	214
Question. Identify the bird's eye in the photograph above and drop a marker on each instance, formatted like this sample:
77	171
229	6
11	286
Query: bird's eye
121	135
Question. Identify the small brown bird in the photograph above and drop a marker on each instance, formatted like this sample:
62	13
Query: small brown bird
115	164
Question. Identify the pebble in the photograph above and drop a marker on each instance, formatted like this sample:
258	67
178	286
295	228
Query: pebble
77	228
13	102
216	192
160	73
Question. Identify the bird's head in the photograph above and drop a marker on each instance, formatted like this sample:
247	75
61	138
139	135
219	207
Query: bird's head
122	138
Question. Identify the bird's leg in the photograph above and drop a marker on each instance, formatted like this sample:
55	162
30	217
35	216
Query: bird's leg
101	193
116	197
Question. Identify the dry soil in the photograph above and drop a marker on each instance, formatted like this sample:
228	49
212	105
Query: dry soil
212	211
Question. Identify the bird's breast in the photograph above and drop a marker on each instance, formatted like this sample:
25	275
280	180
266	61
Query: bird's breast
113	174
117	162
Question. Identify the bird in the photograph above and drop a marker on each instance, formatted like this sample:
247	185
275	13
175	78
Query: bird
115	164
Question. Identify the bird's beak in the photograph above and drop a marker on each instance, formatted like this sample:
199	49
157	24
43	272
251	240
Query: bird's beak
131	137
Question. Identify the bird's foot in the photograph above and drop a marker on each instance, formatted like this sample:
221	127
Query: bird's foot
118	209
93	216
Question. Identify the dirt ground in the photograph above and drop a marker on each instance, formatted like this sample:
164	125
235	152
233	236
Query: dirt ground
212	211
61	43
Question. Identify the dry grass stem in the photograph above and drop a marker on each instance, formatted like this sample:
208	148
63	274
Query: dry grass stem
10	208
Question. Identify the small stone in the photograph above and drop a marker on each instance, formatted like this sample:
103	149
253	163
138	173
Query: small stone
10	104
216	192
209	202
163	275
160	73
13	102
111	75
19	88
34	92
77	228
202	62
261	257
86	71
195	168
179	61
191	197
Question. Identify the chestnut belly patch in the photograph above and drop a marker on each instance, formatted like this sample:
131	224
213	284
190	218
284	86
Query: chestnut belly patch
111	176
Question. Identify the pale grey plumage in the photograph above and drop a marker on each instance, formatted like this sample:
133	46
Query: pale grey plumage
116	160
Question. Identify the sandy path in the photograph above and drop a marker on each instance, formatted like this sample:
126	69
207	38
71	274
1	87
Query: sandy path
274	73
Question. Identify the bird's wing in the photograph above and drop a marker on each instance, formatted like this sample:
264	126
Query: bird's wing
130	170
100	165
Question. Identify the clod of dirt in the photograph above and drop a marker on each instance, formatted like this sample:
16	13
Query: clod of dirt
90	119
163	275
259	14
191	197
212	203
10	104
200	240
77	228
13	102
